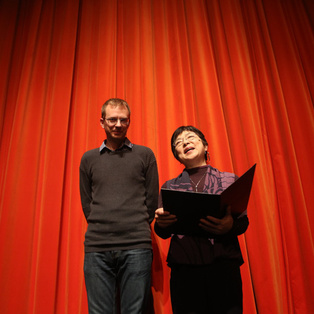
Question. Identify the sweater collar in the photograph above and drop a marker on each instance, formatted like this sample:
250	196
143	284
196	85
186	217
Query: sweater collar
126	143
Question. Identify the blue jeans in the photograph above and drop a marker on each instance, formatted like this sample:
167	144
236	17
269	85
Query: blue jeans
127	272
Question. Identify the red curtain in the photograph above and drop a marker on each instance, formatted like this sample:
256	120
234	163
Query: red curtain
239	70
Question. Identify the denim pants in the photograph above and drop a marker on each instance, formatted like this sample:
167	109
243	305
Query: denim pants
127	272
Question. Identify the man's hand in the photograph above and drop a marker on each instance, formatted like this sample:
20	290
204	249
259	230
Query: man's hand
164	219
217	226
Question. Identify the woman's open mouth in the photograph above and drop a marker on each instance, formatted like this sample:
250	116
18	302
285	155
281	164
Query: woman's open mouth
188	149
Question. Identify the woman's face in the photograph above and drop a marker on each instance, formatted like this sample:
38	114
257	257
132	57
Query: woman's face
190	149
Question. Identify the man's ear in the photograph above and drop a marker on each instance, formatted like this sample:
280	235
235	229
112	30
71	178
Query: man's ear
102	123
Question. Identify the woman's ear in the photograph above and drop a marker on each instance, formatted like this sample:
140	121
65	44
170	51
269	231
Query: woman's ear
207	157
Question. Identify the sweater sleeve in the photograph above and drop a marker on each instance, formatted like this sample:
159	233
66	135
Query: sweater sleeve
152	185
85	187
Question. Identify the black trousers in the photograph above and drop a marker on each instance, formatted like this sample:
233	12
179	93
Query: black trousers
214	288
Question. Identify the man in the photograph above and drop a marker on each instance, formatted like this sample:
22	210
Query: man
119	195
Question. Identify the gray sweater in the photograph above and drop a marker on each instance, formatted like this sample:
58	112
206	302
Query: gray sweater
119	195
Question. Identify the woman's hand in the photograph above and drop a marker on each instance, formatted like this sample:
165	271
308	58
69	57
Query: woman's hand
164	219
217	226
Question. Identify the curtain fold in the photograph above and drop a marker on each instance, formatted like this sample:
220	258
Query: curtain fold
239	70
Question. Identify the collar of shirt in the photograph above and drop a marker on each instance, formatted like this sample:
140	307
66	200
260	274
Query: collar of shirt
126	143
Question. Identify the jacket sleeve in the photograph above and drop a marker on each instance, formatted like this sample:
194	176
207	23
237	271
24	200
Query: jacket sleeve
240	225
163	233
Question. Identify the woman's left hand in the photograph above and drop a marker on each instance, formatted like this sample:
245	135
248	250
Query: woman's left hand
217	226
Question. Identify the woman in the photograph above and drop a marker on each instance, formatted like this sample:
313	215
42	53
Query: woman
205	270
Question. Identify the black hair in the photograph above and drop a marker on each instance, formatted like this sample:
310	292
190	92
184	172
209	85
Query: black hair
190	128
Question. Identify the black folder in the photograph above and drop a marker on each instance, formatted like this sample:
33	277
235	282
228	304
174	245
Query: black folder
190	207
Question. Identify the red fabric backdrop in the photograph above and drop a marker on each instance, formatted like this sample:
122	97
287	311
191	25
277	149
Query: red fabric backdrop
240	70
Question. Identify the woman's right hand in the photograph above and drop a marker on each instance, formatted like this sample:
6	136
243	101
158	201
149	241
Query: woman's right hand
164	219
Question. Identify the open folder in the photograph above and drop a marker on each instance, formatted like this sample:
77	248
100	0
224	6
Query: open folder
190	207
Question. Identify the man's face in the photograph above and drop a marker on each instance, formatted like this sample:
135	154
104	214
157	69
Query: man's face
115	123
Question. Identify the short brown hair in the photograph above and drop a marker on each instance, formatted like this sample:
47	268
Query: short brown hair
115	102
